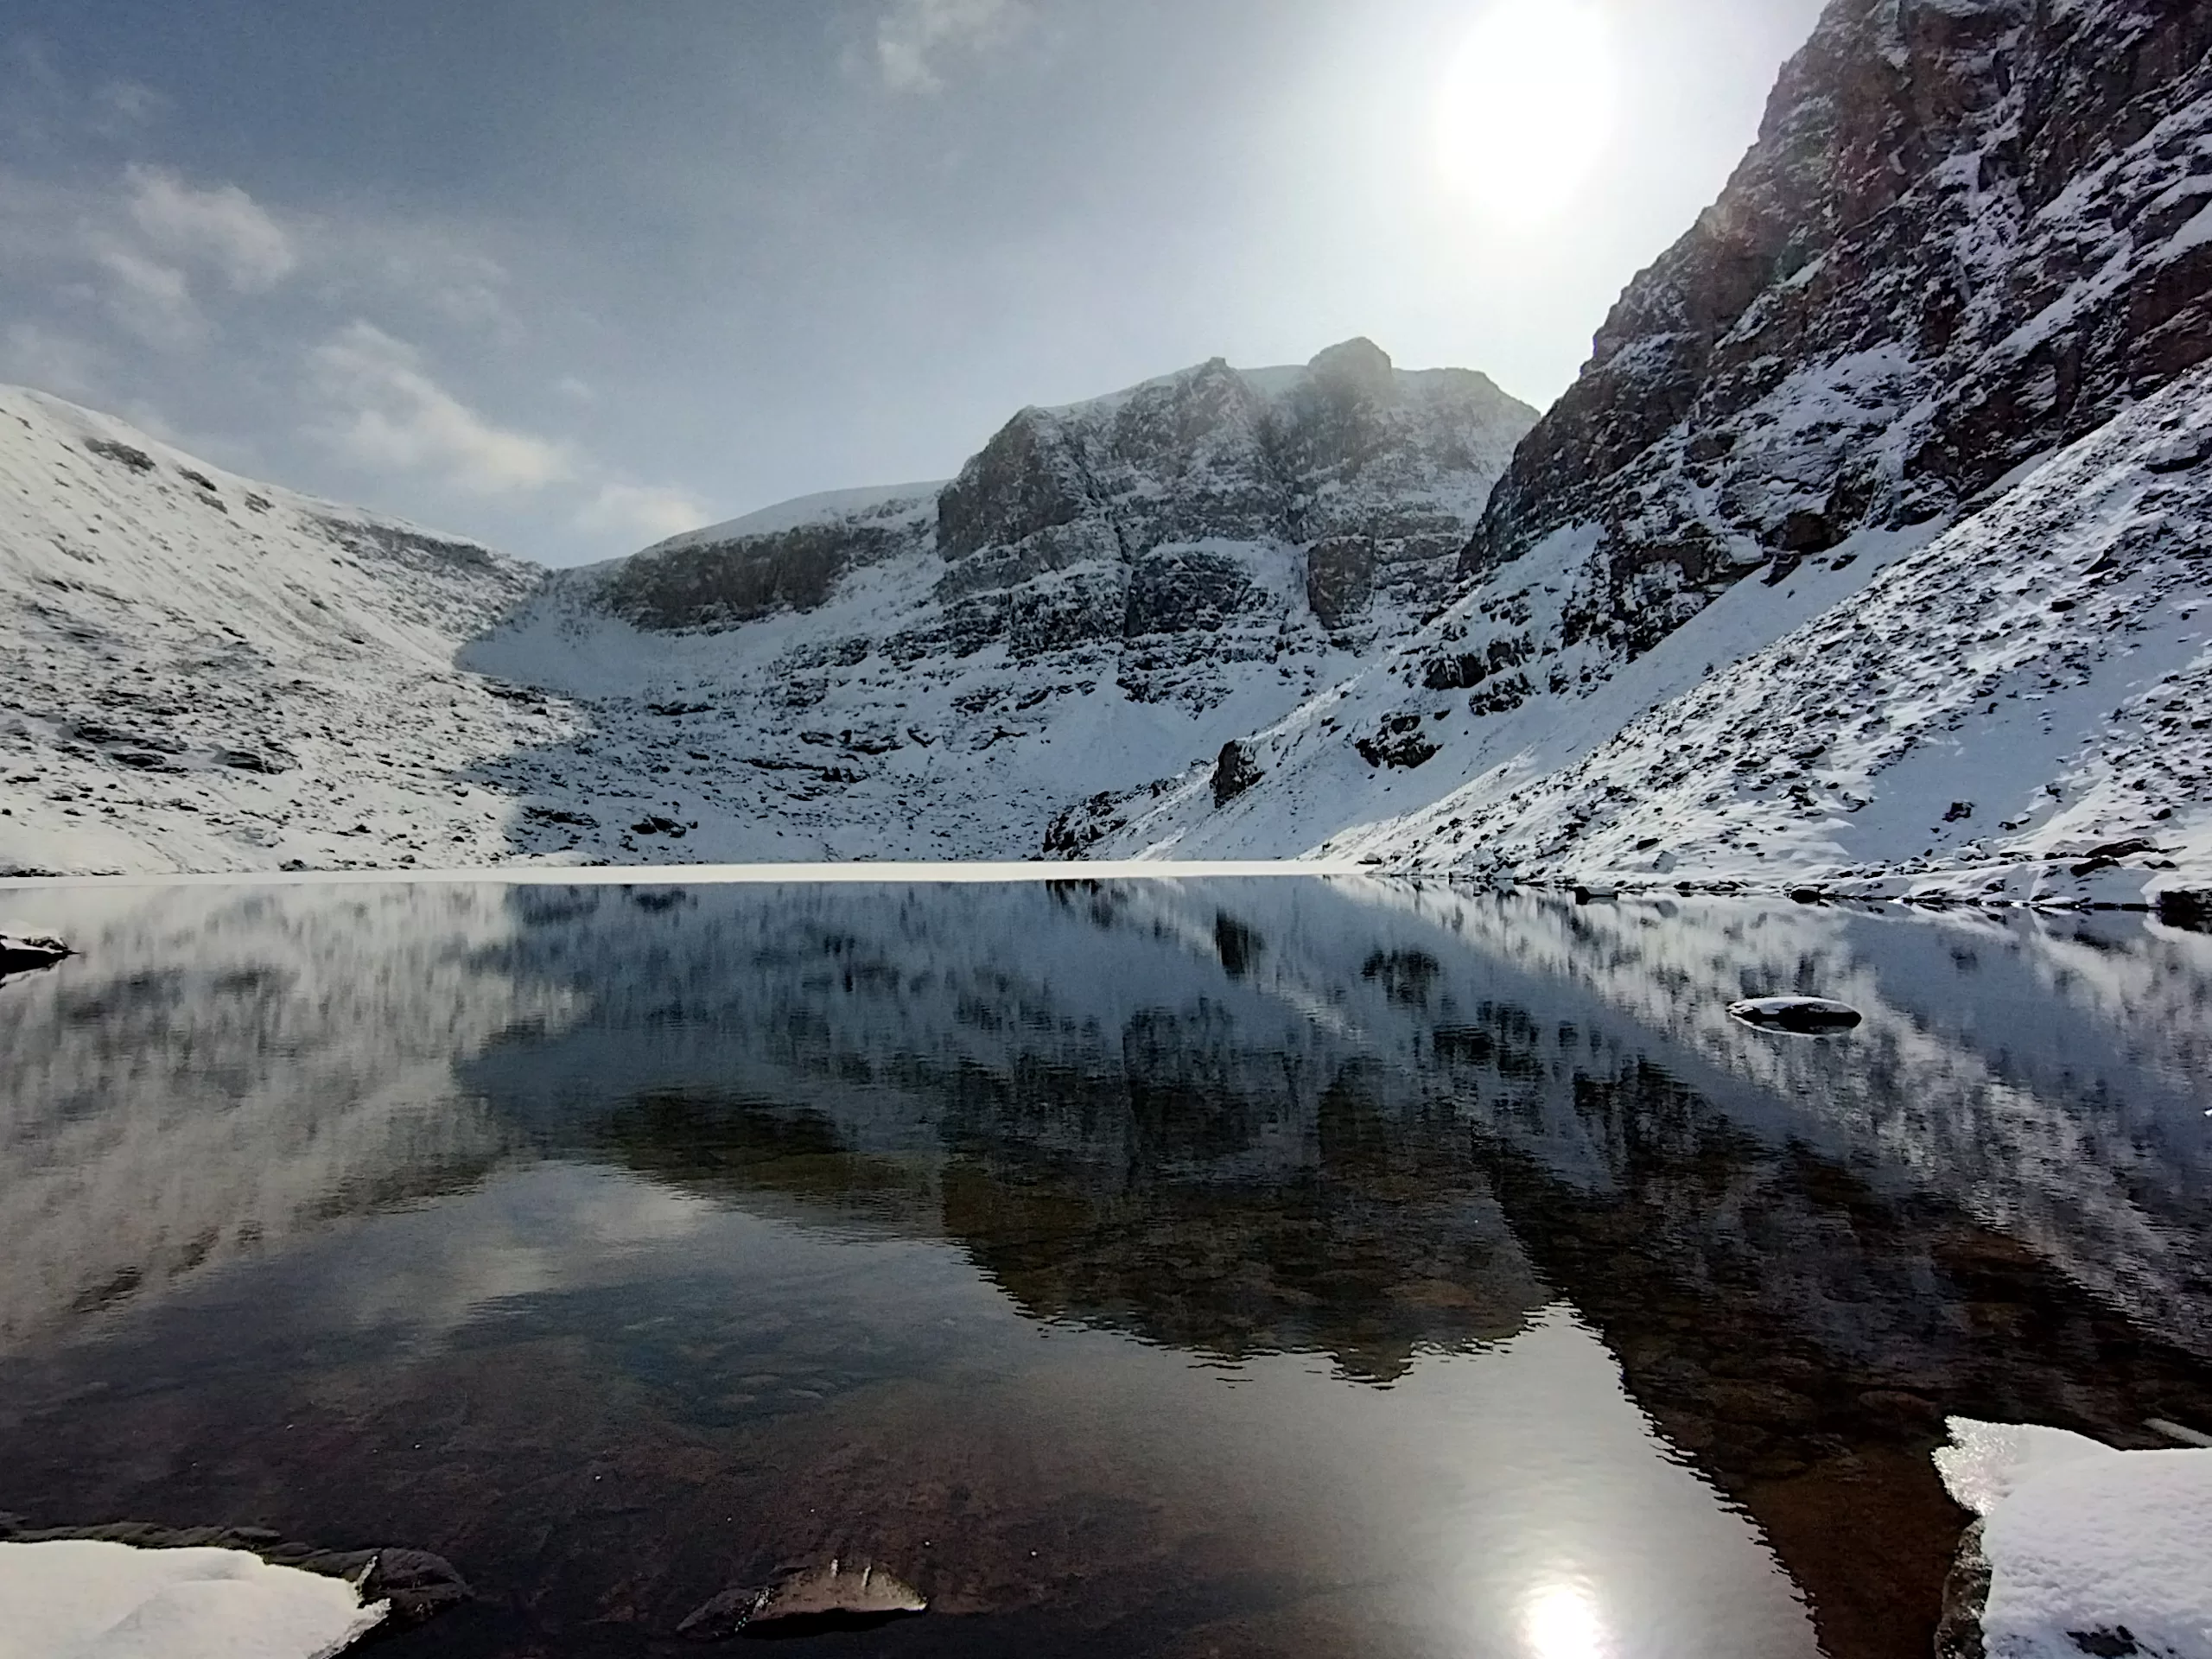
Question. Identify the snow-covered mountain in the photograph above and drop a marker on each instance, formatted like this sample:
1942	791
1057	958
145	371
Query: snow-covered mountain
217	674
1861	554
1864	556
1104	595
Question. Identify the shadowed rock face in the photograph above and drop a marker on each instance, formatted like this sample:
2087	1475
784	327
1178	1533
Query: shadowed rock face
720	584
1963	238
1350	453
1340	579
1112	498
1027	481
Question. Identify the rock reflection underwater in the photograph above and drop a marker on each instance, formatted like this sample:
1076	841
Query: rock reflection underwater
622	1239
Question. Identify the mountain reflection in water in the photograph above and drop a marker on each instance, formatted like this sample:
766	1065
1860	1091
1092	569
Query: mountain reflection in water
1176	1268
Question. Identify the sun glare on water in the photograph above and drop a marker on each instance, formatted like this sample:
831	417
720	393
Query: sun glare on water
1563	1622
1526	107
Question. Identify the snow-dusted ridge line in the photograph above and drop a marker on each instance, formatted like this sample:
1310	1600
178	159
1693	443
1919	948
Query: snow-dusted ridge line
211	674
625	875
868	501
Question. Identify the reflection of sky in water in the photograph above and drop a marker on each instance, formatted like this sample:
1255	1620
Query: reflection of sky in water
1510	1495
1266	1266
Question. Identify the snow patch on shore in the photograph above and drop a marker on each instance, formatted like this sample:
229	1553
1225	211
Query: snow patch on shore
81	1599
2086	1542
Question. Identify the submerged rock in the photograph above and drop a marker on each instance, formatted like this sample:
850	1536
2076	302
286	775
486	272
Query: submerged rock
1800	1014
21	952
842	1595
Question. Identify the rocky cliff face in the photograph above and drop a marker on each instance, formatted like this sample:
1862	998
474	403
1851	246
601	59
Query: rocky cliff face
1971	230
1365	469
1107	592
1972	233
1106	521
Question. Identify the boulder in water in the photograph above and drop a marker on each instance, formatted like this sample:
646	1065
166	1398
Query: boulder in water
1809	1015
843	1595
21	952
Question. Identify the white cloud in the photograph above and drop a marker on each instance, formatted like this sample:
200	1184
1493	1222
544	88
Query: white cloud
642	509
223	226
120	106
912	33
57	363
386	413
150	298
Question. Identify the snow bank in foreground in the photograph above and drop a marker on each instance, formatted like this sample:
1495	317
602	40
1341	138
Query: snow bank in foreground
2090	1549
83	1599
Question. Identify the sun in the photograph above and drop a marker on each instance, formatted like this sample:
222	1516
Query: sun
1526	107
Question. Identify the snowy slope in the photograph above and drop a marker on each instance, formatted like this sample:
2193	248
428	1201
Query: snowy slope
216	674
209	673
1969	236
1994	714
2020	709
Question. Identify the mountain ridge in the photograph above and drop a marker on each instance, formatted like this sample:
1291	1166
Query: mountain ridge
744	692
1859	558
1970	235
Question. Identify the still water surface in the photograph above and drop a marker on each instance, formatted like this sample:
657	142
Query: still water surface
1178	1268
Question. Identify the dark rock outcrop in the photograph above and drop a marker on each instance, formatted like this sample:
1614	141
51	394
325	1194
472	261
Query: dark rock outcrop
22	954
1401	743
712	585
1340	579
1233	773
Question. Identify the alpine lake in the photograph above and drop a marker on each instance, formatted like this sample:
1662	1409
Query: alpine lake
1195	1268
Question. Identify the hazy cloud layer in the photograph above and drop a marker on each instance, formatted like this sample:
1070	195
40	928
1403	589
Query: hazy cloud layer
386	414
570	277
223	227
913	36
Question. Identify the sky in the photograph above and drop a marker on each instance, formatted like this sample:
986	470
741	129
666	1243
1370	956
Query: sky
571	276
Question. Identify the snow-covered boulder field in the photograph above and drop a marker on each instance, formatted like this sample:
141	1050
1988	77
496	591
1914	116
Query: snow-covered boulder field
2082	1548
84	1598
